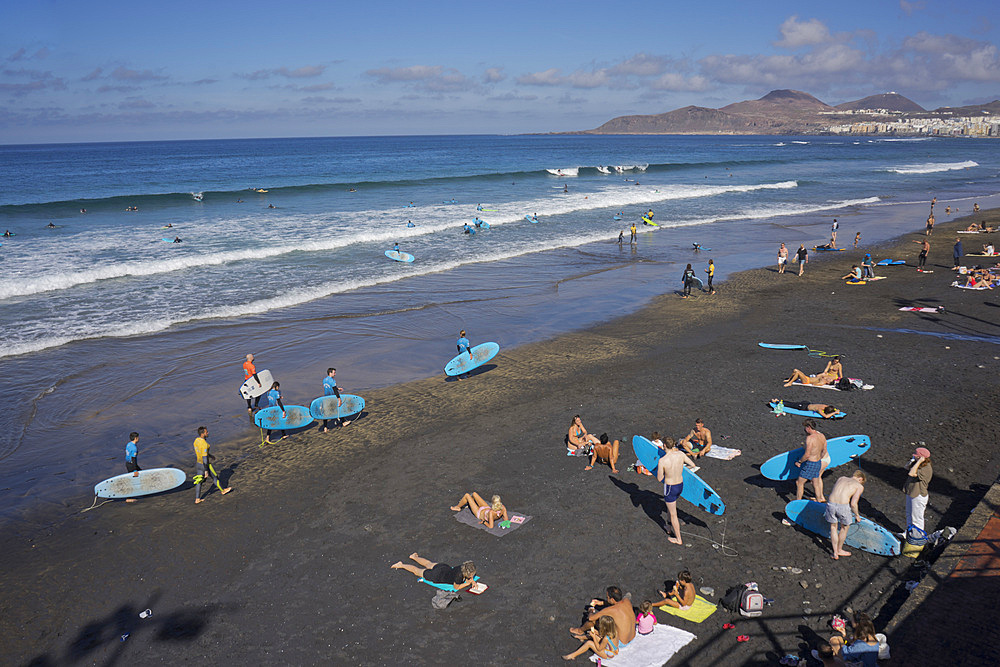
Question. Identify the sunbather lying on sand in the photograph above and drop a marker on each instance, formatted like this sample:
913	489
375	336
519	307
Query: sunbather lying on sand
439	573
799	376
825	411
486	513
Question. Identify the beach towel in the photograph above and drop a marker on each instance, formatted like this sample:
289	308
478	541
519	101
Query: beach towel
724	453
444	587
516	521
652	650
959	286
699	611
806	413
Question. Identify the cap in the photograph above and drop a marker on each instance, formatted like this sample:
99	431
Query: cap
921	451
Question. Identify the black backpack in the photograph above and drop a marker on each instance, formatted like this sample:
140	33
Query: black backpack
845	384
745	599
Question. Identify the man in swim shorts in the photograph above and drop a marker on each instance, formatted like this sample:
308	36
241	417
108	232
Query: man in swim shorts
670	472
782	258
619	608
810	465
842	510
698	441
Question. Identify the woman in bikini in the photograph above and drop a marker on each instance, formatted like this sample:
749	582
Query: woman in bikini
578	436
799	376
486	513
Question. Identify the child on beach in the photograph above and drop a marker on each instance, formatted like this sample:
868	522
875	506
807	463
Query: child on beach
681	595
132	454
645	622
602	639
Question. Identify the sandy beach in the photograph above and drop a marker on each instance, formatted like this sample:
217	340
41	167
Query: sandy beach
293	567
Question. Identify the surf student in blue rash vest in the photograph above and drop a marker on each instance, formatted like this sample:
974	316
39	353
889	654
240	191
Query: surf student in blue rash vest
463	345
868	267
204	472
250	371
273	399
132	454
330	389
395	247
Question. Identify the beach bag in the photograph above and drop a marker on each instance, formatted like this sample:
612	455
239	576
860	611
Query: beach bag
845	384
745	599
916	540
442	599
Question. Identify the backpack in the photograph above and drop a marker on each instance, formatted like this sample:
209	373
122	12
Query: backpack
744	598
845	384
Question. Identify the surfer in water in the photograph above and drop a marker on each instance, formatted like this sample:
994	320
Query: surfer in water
632	230
50	226
395	247
250	371
330	389
410	224
842	505
177	239
670	472
7	234
621	237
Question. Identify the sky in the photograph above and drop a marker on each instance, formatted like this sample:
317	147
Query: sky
106	70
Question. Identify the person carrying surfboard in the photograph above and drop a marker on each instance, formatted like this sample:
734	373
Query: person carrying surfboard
250	371
274	399
670	472
842	504
330	389
204	472
463	345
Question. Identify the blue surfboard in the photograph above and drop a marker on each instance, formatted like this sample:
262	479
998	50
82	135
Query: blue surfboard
818	249
483	224
888	262
399	256
841	450
866	535
325	407
779	346
480	355
533	221
808	413
695	491
296	416
450	201
154	480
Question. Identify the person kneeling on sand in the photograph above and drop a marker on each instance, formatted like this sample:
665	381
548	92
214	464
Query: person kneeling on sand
601	639
618	608
439	573
681	595
578	441
605	453
670	472
487	514
843	501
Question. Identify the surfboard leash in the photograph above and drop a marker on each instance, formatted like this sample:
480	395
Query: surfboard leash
95	505
719	545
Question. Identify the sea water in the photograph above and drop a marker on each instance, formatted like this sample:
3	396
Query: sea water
108	326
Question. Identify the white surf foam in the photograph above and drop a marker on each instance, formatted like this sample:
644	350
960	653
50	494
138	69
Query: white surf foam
568	171
933	167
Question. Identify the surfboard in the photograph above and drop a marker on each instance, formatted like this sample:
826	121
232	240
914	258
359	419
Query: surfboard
809	413
855	282
450	201
480	355
325	407
647	221
530	219
250	388
841	450
698	246
296	416
890	262
149	481
695	491
818	249
399	256
974	254
167	240
874	278
779	346
696	282
866	535
918	309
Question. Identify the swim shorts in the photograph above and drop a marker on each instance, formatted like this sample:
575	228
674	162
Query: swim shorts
810	469
671	492
782	260
837	513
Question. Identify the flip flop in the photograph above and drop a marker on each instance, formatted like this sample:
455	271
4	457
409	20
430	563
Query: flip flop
728	626
743	638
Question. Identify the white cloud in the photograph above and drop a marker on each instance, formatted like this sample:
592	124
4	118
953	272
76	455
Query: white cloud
494	75
796	33
430	78
680	83
549	77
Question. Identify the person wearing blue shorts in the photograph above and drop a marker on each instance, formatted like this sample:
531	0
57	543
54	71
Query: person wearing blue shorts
670	472
810	465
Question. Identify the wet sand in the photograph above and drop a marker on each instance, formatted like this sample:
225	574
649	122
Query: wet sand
294	565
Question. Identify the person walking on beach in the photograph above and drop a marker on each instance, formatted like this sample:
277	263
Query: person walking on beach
632	231
915	488
688	280
957	252
925	248
782	258
810	465
274	399
670	472
930	225
204	472
711	275
857	237
802	257
842	504
250	371
330	389
463	345
132	454
833	233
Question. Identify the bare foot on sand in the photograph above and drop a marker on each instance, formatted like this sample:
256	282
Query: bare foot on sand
325	429
197	500
345	423
568	656
395	566
414	556
613	470
674	540
131	500
456	508
591	468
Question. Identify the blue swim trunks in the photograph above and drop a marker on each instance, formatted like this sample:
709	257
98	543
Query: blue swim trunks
810	469
671	492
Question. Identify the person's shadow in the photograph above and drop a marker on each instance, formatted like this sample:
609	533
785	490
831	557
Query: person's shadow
654	507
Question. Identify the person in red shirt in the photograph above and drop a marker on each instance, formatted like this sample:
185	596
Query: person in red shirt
250	371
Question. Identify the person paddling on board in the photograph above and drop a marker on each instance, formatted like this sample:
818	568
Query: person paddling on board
250	371
274	399
463	345
330	389
7	233
204	471
177	239
50	226
395	247
409	223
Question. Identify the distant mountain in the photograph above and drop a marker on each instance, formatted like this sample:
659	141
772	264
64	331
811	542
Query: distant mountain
887	101
787	112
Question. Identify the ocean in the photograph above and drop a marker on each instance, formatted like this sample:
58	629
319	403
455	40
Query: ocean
108	326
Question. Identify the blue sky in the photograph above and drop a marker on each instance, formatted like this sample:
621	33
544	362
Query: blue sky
119	71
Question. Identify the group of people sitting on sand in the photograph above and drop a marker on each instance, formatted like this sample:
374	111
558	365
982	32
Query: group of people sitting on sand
610	624
980	227
979	278
581	443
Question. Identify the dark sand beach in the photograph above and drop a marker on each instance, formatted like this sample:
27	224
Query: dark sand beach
293	566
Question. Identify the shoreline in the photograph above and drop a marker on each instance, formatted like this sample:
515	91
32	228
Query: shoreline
387	492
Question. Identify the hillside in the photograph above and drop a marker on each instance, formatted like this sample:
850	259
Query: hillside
887	101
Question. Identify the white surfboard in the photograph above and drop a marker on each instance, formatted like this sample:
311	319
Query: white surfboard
251	389
149	481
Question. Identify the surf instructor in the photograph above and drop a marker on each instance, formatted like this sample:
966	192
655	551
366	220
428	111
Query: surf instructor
204	472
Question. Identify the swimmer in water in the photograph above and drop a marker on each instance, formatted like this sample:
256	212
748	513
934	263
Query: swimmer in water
50	226
177	239
7	233
271	206
83	210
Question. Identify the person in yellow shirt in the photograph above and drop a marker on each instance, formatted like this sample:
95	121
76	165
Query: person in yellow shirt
711	275
204	472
